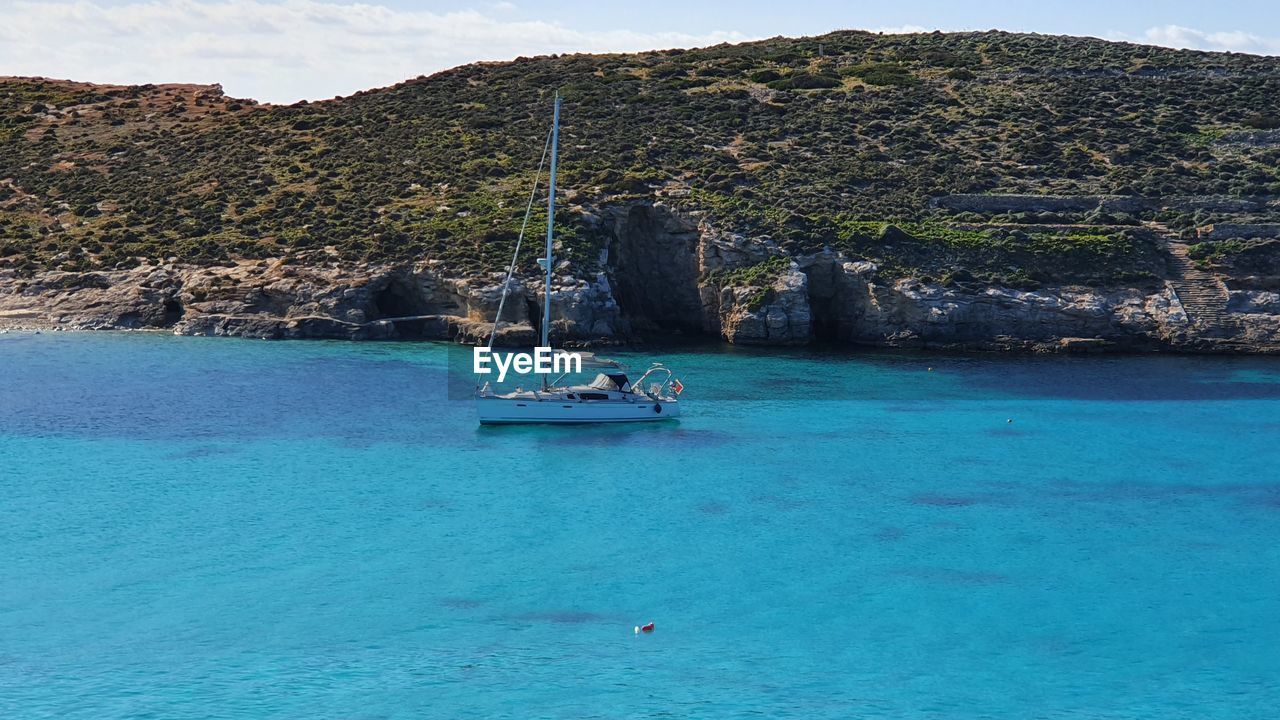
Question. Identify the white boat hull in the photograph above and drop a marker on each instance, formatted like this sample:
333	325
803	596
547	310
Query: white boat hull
517	411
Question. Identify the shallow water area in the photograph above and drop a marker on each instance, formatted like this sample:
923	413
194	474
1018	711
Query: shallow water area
197	527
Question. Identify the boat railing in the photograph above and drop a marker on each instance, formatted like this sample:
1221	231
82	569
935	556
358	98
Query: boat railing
655	390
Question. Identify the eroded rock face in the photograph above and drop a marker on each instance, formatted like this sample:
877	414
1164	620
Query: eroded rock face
827	298
777	315
838	294
909	312
654	280
273	299
653	266
719	250
656	264
269	299
1254	302
1257	315
932	314
98	300
584	311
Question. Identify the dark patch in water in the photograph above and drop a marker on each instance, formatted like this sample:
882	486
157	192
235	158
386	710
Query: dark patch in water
782	503
1269	498
937	500
1125	378
1026	538
460	603
1183	463
701	437
1147	491
1255	494
613	437
202	451
586	438
947	576
889	534
712	508
1004	432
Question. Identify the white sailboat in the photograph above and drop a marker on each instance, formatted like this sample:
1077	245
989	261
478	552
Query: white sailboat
611	397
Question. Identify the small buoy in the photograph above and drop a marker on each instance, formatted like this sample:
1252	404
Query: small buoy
647	628
1009	420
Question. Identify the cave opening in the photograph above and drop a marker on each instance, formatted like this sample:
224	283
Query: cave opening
823	321
400	299
173	311
653	269
828	305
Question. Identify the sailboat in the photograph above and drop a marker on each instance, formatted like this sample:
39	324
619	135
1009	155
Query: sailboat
611	397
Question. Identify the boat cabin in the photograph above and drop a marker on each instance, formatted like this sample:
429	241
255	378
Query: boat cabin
615	381
605	383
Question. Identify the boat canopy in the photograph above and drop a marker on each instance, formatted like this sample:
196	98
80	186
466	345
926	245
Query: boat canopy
616	382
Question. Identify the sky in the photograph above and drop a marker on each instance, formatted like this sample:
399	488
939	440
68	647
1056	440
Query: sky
287	50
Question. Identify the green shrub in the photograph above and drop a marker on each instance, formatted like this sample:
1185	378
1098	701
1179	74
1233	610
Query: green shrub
888	74
439	167
806	81
1260	121
760	276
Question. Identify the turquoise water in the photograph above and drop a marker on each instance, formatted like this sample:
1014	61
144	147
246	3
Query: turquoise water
197	528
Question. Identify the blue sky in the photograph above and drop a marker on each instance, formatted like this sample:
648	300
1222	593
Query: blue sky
286	50
1084	17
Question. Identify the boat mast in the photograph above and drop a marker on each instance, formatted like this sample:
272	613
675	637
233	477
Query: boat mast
551	221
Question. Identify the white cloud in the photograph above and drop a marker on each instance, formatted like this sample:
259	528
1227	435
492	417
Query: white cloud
284	51
1176	36
903	30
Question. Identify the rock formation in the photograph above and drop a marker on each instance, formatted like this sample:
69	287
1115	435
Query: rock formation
660	277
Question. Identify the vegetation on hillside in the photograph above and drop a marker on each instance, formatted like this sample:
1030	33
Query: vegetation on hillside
1240	256
837	141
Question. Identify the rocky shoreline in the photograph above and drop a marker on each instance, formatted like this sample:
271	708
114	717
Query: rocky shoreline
852	188
660	284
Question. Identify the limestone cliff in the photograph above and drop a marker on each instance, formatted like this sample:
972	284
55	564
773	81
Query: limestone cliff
664	271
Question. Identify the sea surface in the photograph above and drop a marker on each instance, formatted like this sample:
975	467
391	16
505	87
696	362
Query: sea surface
217	528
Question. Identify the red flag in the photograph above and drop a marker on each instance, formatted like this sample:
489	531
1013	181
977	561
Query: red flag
677	386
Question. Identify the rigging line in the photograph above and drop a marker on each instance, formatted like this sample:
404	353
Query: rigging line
512	268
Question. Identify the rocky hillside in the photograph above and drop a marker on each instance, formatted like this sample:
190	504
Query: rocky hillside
975	189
